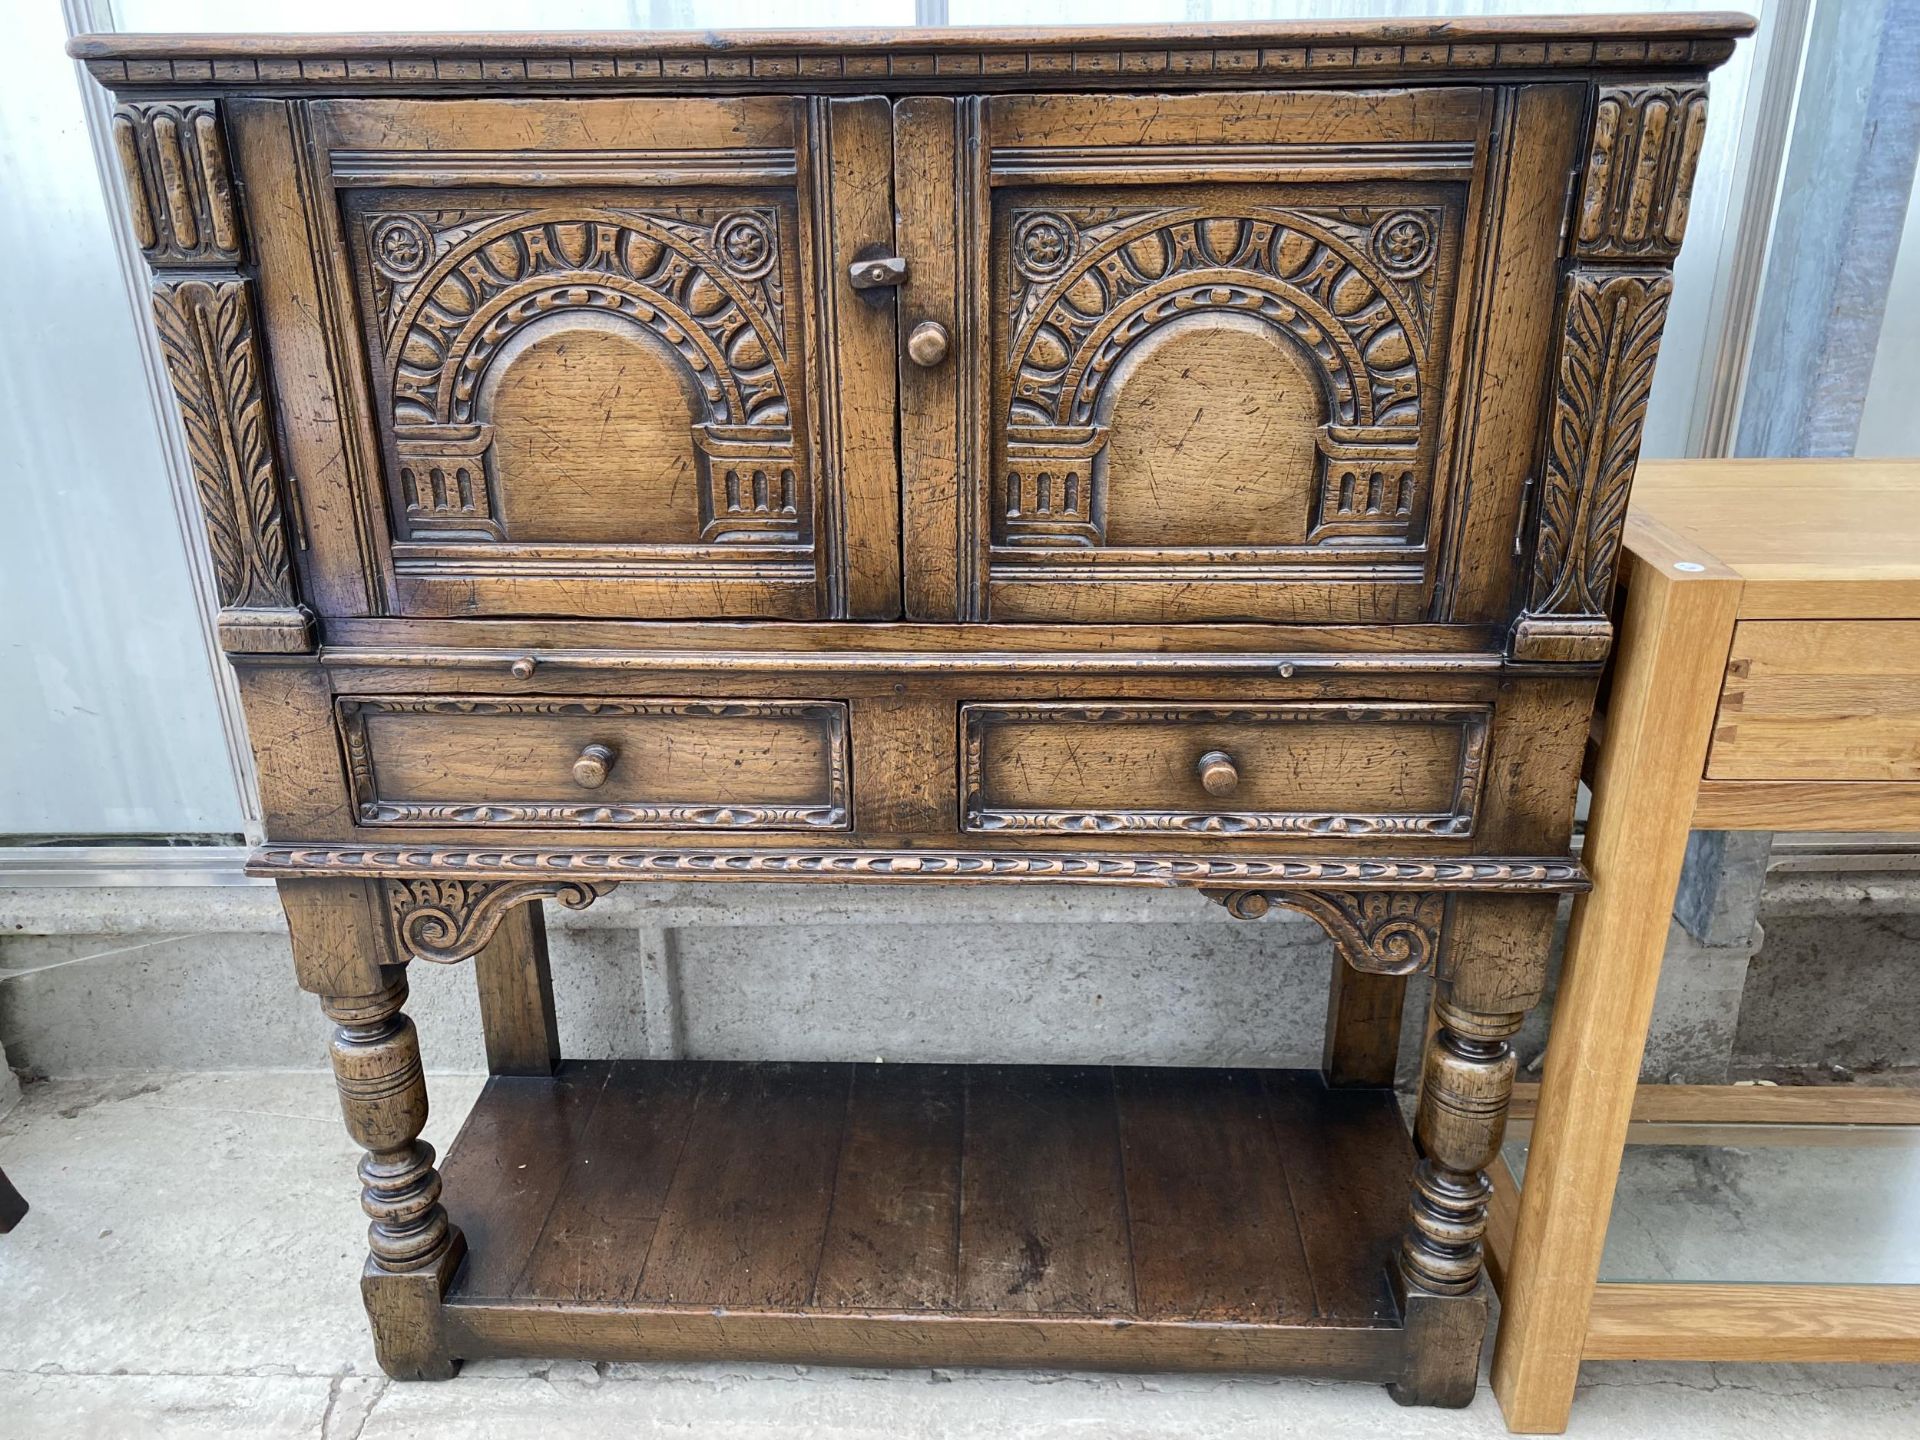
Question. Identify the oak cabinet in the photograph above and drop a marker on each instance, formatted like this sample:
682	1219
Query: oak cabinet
1179	358
1125	457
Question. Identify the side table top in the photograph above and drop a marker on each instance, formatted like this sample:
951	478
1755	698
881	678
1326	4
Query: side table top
1808	538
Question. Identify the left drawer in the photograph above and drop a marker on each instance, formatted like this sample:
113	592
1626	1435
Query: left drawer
655	764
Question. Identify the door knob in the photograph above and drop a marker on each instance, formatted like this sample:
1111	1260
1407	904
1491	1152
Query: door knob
590	770
1218	773
927	343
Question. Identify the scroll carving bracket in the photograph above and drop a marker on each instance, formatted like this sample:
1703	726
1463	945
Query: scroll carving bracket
447	921
1381	932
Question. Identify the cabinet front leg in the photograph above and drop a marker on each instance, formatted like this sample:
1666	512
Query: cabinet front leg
412	1249
1465	1085
1491	971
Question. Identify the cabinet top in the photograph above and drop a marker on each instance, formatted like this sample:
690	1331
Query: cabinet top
1121	56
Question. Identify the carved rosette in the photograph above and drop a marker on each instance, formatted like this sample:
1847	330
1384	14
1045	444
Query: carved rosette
447	920
1381	932
454	292
1353	289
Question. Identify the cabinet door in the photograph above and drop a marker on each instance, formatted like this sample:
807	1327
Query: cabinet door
598	357
1200	350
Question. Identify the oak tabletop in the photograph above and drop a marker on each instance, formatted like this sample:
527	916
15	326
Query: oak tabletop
1808	535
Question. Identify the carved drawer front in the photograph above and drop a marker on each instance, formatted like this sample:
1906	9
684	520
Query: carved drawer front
1309	768
1212	337
1820	700
651	764
603	341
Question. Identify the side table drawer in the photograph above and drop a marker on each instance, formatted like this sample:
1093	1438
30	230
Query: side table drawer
1820	700
663	764
1307	768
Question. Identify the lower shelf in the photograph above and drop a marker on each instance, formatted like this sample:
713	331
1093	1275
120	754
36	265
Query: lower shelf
1143	1219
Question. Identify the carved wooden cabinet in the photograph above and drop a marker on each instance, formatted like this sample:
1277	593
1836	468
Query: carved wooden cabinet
1130	457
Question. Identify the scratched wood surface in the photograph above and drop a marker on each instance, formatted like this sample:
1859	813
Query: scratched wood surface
1255	1197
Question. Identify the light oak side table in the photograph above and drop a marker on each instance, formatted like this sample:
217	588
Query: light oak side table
1767	678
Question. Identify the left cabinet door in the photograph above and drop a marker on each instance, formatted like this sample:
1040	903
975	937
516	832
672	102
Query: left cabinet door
582	358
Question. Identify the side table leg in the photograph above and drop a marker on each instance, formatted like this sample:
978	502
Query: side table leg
1491	970
340	947
1674	638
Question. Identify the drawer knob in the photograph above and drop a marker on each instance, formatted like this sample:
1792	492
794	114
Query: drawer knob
927	343
1218	773
522	669
591	769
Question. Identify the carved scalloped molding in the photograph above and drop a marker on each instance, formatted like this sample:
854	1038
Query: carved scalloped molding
1521	874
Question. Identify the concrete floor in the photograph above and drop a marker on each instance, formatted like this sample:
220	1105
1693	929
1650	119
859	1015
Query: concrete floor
189	1266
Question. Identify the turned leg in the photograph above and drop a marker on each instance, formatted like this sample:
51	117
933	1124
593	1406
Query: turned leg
340	942
1490	973
412	1250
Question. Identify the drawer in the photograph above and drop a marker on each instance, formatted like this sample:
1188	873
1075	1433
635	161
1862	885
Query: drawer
1310	768
1820	700
654	764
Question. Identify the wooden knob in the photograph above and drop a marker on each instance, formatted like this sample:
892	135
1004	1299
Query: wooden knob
1218	773
523	667
927	343
591	769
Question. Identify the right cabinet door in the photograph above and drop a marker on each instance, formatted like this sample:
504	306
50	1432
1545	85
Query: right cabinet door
1201	350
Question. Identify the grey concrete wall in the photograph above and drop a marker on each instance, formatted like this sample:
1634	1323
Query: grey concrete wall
189	977
185	977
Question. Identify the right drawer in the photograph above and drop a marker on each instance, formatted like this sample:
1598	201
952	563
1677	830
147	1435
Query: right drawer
1820	700
1306	768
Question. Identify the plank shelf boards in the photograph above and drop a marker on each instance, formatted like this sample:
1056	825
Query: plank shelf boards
1094	1217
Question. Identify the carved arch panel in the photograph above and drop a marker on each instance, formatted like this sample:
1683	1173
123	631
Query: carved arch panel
1221	353
698	290
587	358
1351	292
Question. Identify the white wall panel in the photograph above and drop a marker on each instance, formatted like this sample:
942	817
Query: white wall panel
108	717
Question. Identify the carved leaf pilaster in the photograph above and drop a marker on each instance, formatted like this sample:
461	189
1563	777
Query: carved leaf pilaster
1603	376
446	921
1383	932
213	360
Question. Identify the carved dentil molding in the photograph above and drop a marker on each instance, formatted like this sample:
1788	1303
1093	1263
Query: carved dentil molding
446	920
766	62
1381	932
